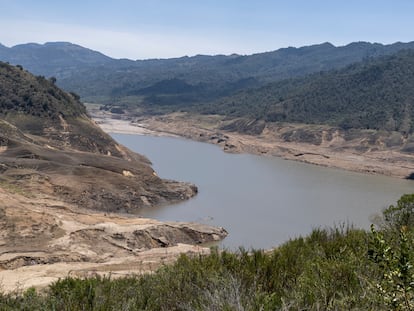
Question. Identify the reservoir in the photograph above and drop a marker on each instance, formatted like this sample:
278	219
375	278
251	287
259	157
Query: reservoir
263	201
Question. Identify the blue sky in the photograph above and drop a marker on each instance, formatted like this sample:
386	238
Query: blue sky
172	28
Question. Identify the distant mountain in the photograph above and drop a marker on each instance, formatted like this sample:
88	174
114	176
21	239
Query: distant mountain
373	94
92	74
52	58
364	85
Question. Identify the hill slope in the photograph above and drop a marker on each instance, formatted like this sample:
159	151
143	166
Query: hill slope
61	177
199	79
46	133
374	94
52	58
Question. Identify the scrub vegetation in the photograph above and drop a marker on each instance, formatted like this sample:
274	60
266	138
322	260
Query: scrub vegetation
340	268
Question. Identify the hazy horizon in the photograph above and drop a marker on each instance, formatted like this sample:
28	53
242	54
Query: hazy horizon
166	29
315	44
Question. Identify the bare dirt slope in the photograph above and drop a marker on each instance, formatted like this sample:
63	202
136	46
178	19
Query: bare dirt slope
43	239
367	151
61	181
91	180
46	134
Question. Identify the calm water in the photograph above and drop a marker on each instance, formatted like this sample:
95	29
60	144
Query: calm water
263	201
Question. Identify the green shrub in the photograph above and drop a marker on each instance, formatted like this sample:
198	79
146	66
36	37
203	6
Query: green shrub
330	269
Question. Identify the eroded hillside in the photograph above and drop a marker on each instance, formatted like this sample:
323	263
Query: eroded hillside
46	134
61	179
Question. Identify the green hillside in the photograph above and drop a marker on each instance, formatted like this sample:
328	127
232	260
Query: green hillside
95	76
21	92
354	86
209	78
374	94
45	132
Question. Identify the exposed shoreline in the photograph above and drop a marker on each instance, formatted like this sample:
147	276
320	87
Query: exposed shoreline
61	203
45	239
334	153
71	242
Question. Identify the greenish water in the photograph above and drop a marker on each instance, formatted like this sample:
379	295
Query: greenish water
263	201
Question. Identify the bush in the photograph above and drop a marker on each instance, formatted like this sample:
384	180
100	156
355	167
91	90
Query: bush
330	269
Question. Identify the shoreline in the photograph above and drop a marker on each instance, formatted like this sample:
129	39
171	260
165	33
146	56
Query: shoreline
69	241
392	163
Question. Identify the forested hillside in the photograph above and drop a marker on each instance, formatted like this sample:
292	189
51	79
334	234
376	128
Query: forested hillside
208	78
360	85
21	92
374	94
95	76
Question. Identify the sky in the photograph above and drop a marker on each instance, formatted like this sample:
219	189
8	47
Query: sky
143	29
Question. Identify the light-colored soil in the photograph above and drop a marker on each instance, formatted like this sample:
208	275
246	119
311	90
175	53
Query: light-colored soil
333	150
62	192
43	239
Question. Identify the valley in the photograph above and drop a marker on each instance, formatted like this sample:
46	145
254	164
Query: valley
360	151
72	197
206	155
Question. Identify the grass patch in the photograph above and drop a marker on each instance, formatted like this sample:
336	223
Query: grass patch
13	188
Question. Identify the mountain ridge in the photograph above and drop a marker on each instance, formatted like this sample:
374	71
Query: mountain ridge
204	83
92	74
373	94
326	44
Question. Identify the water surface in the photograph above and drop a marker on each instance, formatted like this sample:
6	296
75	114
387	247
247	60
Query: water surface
262	201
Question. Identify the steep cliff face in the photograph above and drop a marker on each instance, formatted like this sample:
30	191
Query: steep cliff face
46	134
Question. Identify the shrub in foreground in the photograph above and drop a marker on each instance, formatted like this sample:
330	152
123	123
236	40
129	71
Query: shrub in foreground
330	269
